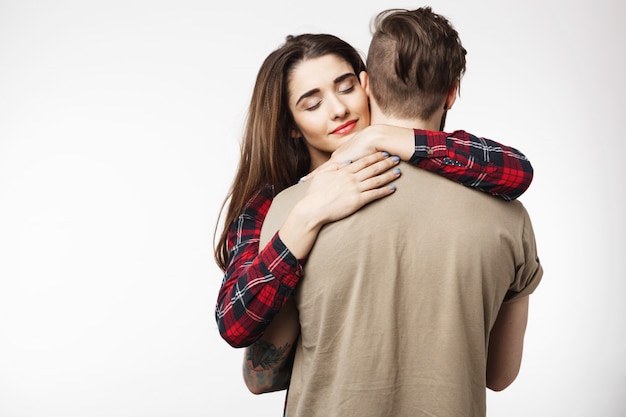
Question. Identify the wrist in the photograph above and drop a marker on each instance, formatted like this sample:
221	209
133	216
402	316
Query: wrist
406	143
395	140
308	215
300	229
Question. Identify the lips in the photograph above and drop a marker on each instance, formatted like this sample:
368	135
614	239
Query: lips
345	128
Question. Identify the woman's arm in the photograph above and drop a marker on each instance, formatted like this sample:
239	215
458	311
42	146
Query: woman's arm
337	191
257	283
478	163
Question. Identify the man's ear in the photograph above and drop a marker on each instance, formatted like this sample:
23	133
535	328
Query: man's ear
365	82
451	96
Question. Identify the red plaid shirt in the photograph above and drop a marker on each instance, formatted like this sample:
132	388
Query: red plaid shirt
257	284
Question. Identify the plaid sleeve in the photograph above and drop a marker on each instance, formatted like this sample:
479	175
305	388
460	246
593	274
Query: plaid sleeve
475	162
256	284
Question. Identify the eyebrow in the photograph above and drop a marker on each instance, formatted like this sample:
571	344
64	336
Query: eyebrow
317	90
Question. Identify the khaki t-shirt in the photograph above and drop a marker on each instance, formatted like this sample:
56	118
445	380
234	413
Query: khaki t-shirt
397	300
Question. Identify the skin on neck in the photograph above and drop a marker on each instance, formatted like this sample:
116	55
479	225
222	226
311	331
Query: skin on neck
377	116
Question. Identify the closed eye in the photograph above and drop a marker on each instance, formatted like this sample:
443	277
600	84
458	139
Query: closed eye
347	90
314	107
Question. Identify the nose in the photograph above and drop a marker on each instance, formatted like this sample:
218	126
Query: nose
338	109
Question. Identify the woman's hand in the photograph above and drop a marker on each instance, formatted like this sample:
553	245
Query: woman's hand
336	191
393	140
340	189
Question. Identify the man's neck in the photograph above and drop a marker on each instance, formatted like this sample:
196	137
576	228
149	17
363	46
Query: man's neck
432	124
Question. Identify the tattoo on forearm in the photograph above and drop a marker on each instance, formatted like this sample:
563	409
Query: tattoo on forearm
268	367
265	355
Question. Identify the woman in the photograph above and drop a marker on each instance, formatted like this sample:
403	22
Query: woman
297	120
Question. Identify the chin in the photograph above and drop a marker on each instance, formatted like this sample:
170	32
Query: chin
343	140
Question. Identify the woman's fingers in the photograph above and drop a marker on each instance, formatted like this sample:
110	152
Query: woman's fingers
325	167
367	161
337	193
377	193
370	172
375	170
380	180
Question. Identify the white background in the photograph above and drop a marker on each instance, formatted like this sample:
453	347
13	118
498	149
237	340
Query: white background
119	130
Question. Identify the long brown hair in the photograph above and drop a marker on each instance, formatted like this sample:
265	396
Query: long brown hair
269	153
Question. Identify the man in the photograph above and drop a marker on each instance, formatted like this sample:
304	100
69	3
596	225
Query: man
415	304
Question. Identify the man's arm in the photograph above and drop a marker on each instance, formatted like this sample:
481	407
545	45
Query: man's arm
506	343
267	362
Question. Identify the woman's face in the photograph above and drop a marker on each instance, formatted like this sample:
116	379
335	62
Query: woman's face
328	104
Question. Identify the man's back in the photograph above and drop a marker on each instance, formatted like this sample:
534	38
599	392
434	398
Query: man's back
397	300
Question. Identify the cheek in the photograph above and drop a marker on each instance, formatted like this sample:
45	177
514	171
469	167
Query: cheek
359	99
362	106
310	124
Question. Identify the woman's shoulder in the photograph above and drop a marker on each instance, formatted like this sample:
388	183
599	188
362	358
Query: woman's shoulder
261	200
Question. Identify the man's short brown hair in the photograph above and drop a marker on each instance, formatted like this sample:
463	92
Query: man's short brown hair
414	59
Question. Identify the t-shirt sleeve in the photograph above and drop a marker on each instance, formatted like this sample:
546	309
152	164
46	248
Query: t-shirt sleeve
529	271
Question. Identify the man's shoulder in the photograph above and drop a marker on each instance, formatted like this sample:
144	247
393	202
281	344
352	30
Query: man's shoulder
280	208
290	195
428	189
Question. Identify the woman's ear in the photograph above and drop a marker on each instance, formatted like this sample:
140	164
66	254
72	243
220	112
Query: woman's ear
295	134
365	82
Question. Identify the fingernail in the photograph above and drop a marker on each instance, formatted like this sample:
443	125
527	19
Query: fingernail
300	180
385	154
392	187
395	158
396	171
348	162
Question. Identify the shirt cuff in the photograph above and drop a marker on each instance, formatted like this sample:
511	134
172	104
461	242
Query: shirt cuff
286	268
429	144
